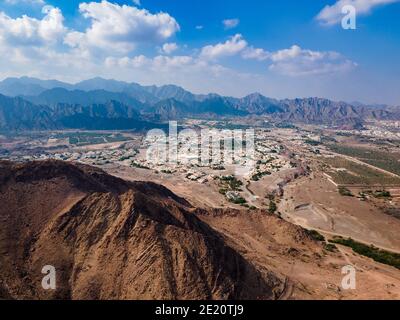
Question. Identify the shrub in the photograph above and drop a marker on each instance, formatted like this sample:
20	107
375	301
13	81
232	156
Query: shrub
330	247
223	191
166	171
315	235
382	256
382	194
345	192
239	200
272	207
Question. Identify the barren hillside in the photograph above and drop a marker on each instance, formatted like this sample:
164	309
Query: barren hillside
112	239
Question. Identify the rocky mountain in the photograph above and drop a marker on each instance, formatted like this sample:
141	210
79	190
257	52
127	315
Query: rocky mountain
101	84
168	109
26	86
321	111
258	104
218	106
112	239
17	114
172	92
146	94
112	115
171	102
380	112
85	98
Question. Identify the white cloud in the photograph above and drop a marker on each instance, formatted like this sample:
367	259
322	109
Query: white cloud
27	31
191	72
199	27
230	23
256	54
332	14
296	61
234	46
45	48
169	48
137	2
121	28
34	2
231	47
160	63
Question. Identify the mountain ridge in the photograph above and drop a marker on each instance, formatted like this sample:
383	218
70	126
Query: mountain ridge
17	114
171	102
113	239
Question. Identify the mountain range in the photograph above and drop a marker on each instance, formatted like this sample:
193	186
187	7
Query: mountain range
34	104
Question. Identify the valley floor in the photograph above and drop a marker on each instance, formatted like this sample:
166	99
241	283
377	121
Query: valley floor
313	203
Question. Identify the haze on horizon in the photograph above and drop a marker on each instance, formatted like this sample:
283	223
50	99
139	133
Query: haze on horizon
278	48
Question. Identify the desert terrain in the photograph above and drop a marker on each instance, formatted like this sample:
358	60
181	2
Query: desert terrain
112	239
284	218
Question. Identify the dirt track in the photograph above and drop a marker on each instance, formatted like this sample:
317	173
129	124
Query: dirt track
320	207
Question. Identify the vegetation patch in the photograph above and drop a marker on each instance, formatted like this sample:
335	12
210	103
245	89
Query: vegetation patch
382	256
330	247
382	194
313	143
139	166
272	207
381	159
259	175
231	183
238	200
345	192
166	171
90	138
357	174
315	235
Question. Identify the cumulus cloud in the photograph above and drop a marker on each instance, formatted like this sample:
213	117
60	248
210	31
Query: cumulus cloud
44	47
121	28
169	48
33	2
158	63
230	23
191	72
235	45
332	14
27	31
231	47
112	44
255	53
296	61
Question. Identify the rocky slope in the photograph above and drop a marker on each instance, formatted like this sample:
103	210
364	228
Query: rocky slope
17	114
322	111
111	239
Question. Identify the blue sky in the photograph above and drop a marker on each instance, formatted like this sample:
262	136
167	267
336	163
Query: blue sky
282	49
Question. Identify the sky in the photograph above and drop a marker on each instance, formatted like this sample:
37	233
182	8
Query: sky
282	49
